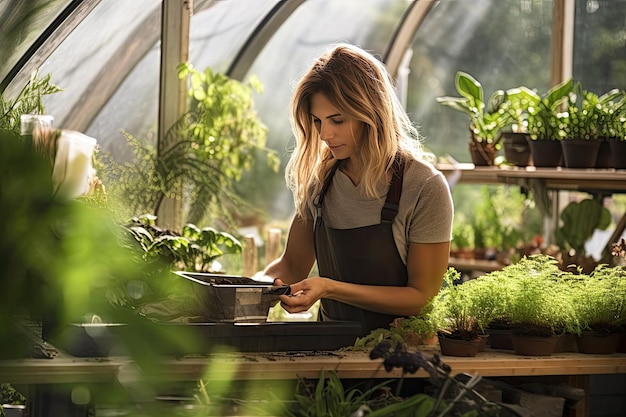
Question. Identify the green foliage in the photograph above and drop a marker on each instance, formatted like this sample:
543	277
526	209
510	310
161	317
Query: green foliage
194	249
612	114
452	310
203	154
402	331
329	398
579	220
599	299
64	262
462	233
28	101
581	120
541	115
487	119
537	296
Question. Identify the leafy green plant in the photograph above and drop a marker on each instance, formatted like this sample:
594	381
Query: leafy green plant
452	310
193	249
412	331
462	235
539	300
487	118
28	101
581	118
612	114
540	114
203	155
599	299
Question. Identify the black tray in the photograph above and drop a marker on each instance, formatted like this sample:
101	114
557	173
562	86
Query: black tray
101	340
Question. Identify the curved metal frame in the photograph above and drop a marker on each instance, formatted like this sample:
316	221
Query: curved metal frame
51	37
260	36
404	34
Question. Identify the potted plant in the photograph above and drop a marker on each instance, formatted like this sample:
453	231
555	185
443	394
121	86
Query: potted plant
487	118
612	130
462	239
539	305
578	128
540	120
412	331
599	302
452	313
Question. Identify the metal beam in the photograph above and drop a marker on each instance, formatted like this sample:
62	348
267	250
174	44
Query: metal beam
46	43
404	34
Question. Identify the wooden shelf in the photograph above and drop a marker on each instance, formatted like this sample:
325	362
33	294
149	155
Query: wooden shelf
291	365
590	180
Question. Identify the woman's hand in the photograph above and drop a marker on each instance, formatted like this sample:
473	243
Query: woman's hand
303	294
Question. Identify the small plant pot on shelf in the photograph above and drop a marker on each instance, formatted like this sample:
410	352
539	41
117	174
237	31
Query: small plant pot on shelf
546	153
516	148
458	347
482	153
534	345
580	153
595	343
604	159
618	153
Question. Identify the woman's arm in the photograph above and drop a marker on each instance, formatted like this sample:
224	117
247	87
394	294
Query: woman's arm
297	260
426	265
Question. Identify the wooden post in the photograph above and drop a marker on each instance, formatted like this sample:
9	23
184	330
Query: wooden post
272	247
249	253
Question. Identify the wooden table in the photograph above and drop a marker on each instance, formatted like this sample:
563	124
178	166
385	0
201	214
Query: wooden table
576	368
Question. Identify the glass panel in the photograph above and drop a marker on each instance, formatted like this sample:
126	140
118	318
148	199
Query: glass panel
600	45
125	31
503	44
218	31
21	23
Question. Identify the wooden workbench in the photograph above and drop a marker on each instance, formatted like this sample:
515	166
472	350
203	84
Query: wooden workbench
291	365
42	376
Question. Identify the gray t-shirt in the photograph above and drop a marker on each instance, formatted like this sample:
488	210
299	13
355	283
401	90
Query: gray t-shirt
425	214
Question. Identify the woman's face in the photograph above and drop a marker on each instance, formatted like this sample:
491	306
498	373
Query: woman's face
340	133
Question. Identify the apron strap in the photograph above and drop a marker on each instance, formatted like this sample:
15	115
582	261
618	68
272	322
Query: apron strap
392	203
320	197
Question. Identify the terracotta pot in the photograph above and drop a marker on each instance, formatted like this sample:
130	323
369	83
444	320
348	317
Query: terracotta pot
594	343
500	339
516	148
565	343
546	153
534	345
458	347
618	152
580	153
482	153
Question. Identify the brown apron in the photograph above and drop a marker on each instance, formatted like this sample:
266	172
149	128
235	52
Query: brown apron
363	255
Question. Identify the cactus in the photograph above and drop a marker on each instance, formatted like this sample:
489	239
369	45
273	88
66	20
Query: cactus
580	219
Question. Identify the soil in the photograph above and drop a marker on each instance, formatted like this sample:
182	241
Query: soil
459	334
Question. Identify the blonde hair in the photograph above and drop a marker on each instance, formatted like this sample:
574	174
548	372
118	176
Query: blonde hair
361	88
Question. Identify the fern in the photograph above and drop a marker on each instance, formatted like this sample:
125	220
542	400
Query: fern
28	101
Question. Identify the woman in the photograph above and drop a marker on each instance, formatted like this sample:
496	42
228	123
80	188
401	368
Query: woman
370	207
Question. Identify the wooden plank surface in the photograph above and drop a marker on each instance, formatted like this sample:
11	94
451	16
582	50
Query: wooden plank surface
553	178
290	365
